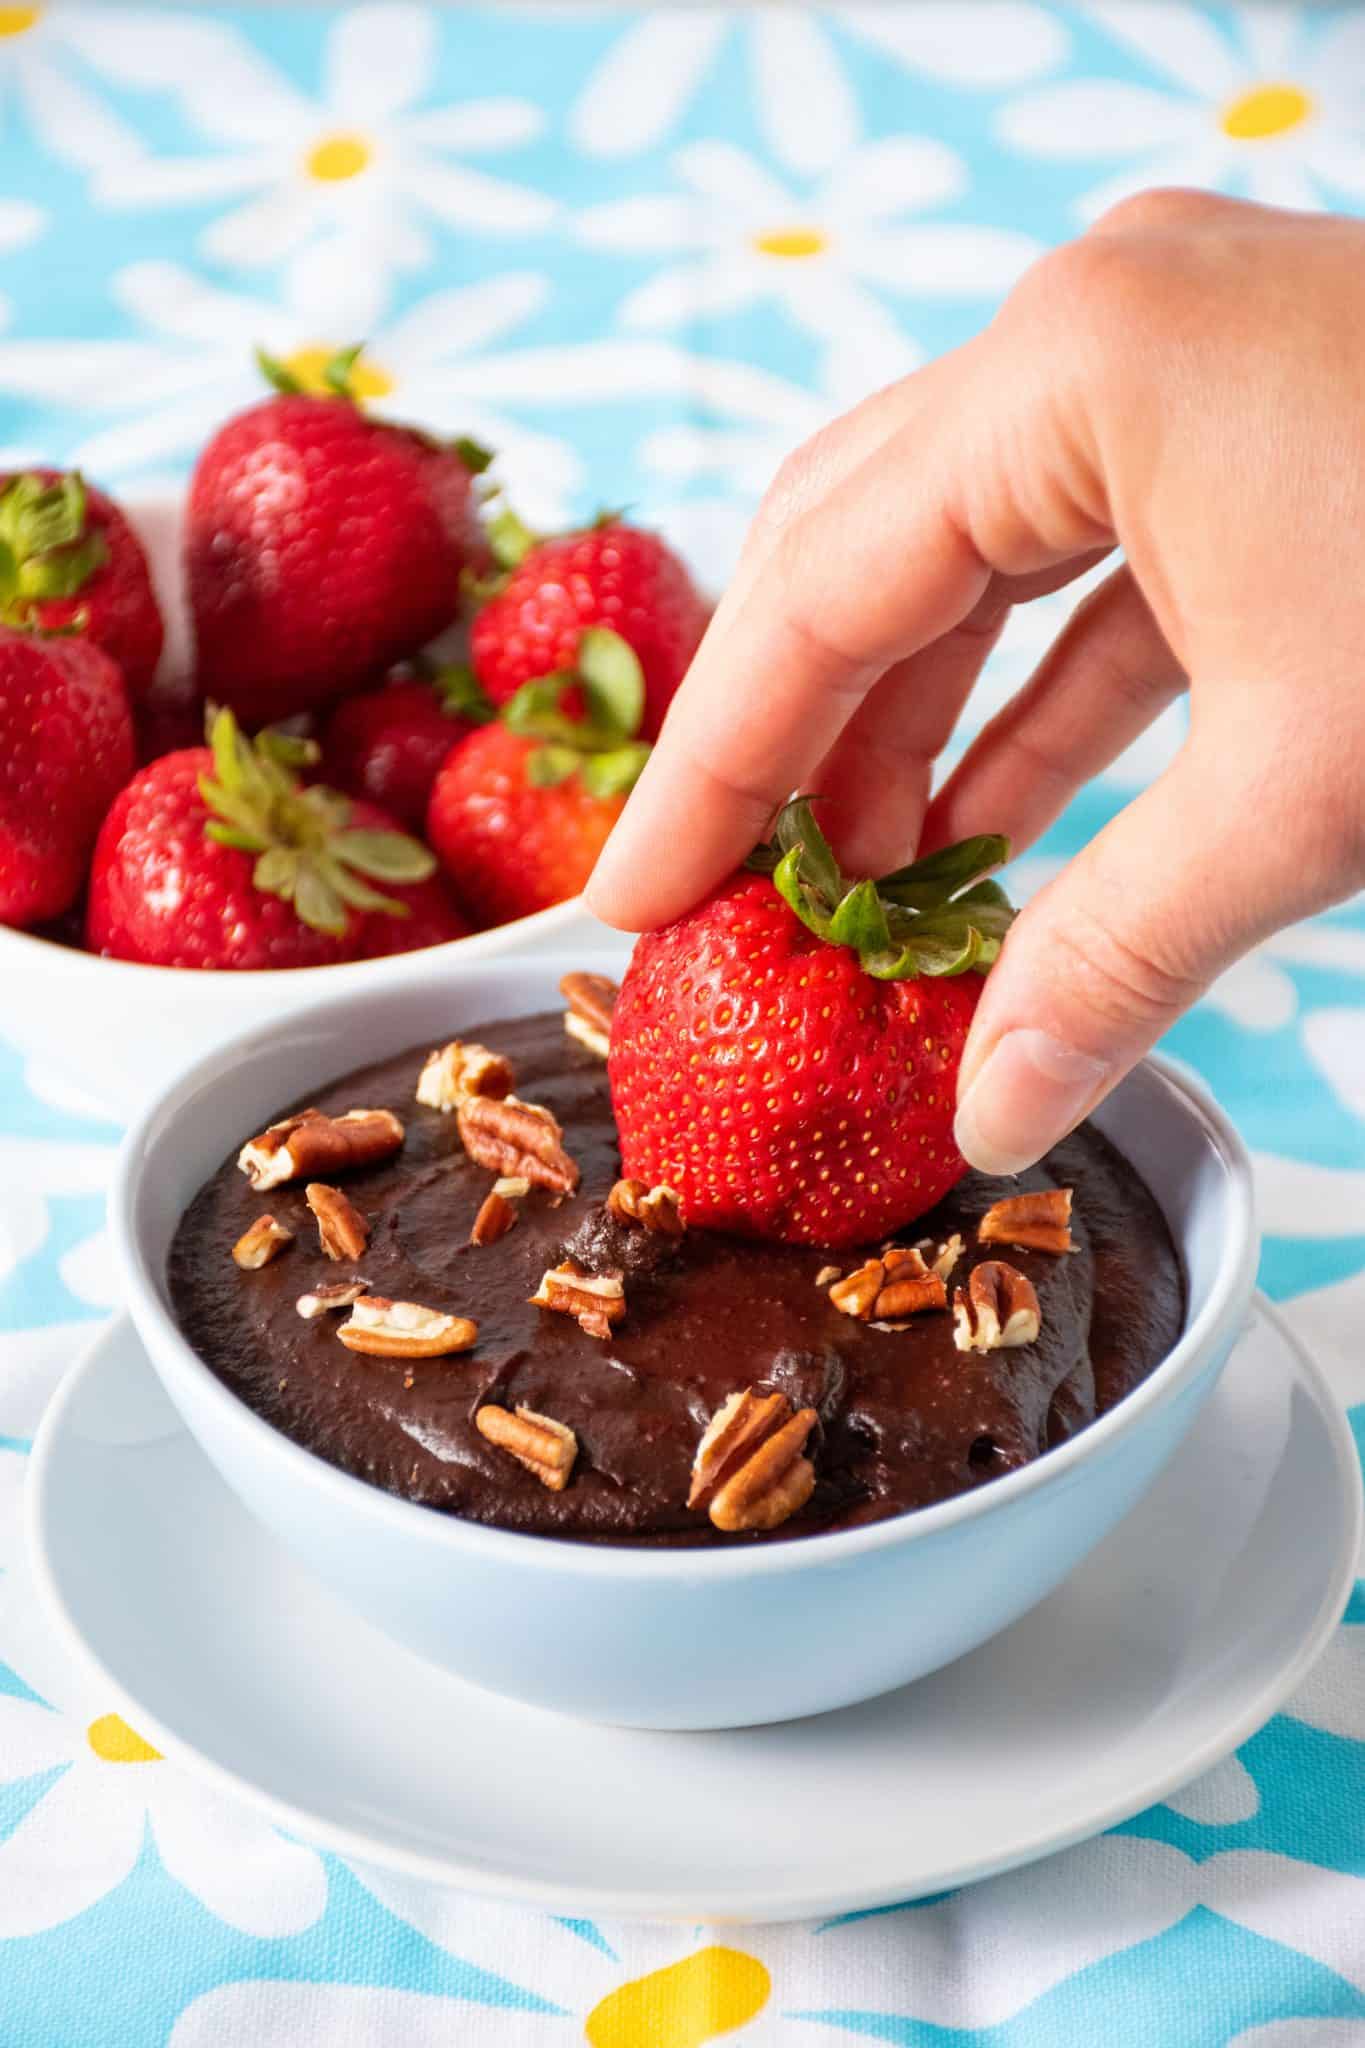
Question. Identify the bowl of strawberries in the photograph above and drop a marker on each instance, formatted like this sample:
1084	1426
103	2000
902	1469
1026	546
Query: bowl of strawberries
334	712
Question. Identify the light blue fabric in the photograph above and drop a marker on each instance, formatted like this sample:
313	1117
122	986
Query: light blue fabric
133	288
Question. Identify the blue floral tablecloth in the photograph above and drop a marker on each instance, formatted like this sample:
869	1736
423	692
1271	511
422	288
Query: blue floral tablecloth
642	254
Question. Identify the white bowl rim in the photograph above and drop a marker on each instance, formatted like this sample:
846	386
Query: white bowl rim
518	931
1229	1297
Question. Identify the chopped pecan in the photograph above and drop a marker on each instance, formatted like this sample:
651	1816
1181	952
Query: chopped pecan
886	1289
996	1310
825	1275
749	1471
263	1241
311	1143
513	1187
455	1072
591	999
495	1218
597	1300
332	1294
518	1138
946	1257
404	1329
343	1230
657	1209
1038	1222
543	1446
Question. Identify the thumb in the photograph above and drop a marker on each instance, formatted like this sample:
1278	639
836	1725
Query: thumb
1105	958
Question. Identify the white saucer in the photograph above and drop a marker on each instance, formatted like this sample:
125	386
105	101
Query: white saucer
1177	1639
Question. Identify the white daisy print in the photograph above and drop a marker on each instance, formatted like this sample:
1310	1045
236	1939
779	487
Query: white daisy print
358	166
1268	106
108	1785
20	225
640	91
828	253
436	364
1259	995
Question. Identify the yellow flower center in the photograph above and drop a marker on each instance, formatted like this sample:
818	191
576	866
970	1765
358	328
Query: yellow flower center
338	157
306	365
683	2005
789	242
17	21
116	1743
1265	111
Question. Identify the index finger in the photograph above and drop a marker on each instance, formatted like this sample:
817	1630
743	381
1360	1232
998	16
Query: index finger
893	554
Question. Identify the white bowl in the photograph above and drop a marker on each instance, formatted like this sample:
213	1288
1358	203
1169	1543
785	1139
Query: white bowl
680	1638
117	1030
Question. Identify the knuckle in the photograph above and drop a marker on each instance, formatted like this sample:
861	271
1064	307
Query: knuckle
802	478
1160	208
1119	980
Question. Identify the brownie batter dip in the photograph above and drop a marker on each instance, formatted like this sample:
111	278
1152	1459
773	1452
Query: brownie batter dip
903	1414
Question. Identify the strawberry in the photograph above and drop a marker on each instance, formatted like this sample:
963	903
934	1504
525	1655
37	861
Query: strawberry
785	1055
217	857
610	575
523	807
322	546
66	748
69	559
389	743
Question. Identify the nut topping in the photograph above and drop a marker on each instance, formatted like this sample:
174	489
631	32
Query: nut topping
543	1446
596	1300
311	1143
657	1209
332	1294
516	1138
749	1471
455	1072
1039	1222
896	1285
495	1218
404	1329
946	1257
996	1310
343	1230
591	999
262	1242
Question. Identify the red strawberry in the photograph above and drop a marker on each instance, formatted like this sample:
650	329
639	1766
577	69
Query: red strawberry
322	546
217	857
522	808
388	744
433	915
785	1056
610	575
68	557
66	748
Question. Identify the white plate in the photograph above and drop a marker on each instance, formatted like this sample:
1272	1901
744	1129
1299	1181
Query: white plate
1172	1644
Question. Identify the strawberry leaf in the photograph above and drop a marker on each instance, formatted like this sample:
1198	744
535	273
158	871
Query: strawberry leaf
860	921
614	772
940	875
462	695
277	375
613	680
387	856
475	457
318	904
359	894
548	766
509	538
47	550
336	373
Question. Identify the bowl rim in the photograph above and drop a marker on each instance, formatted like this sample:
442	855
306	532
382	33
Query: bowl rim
1228	1301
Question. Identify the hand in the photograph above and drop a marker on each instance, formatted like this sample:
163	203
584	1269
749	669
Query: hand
1187	382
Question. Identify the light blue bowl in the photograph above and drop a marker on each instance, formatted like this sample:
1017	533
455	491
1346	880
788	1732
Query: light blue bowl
681	1638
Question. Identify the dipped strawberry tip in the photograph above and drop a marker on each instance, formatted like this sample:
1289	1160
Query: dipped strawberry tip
306	851
599	743
940	916
48	549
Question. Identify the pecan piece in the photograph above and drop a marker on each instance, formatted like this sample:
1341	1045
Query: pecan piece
884	1290
543	1446
331	1294
996	1310
591	999
455	1072
404	1329
516	1138
750	1471
946	1257
343	1230
1039	1222
311	1143
263	1241
596	1300
657	1209
495	1218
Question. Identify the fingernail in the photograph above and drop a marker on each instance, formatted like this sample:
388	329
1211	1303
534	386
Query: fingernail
1029	1093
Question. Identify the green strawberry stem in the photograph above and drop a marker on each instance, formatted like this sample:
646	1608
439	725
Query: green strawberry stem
306	850
599	745
46	549
461	694
939	916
